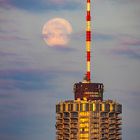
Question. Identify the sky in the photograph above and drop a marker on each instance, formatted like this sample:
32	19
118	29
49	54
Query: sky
34	76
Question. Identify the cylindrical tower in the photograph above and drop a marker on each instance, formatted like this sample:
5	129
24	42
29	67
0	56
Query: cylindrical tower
88	116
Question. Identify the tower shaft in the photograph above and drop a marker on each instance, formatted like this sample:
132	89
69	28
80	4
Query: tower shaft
88	39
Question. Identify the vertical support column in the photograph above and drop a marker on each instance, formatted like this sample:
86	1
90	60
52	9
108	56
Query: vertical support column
88	39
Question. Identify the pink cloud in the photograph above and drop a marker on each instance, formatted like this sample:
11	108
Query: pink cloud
5	3
9	37
129	41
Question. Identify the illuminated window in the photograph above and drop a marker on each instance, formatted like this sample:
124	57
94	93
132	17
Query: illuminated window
84	135
84	120
83	125
84	113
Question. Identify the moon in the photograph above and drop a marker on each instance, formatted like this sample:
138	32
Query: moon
56	32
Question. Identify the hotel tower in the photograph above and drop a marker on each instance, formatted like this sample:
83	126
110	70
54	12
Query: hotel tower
88	116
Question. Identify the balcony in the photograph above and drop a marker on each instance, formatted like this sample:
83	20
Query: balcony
59	133
118	138
112	137
119	118
94	137
118	128
104	122
104	131
95	133
59	137
112	127
59	118
74	125
66	120
104	125
95	117
118	123
59	122
66	126
59	127
66	115
95	127
66	138
112	122
104	138
103	117
74	115
118	133
73	135
66	131
74	130
74	120
112	132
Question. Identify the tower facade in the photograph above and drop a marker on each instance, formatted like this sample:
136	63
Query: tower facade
88	116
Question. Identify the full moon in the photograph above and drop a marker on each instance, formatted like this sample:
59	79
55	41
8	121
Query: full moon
56	32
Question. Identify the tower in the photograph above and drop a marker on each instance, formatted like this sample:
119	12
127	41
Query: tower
88	116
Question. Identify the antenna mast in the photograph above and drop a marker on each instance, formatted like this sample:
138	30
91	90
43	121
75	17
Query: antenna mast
88	40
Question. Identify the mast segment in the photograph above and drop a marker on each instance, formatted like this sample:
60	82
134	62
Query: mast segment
88	40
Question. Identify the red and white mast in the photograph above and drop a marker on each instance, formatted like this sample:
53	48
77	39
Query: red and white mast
88	40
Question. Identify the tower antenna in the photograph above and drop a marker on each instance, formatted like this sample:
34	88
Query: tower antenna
88	40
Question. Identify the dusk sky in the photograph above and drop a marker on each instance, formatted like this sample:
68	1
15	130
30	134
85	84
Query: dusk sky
35	76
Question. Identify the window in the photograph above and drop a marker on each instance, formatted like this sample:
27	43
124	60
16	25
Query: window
81	107
119	108
74	114
107	107
86	107
77	107
69	107
97	107
57	108
64	107
66	114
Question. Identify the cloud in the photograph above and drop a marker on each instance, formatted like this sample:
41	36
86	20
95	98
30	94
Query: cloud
130	41
43	5
126	51
25	114
103	36
128	46
4	3
3	53
11	38
31	79
24	79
